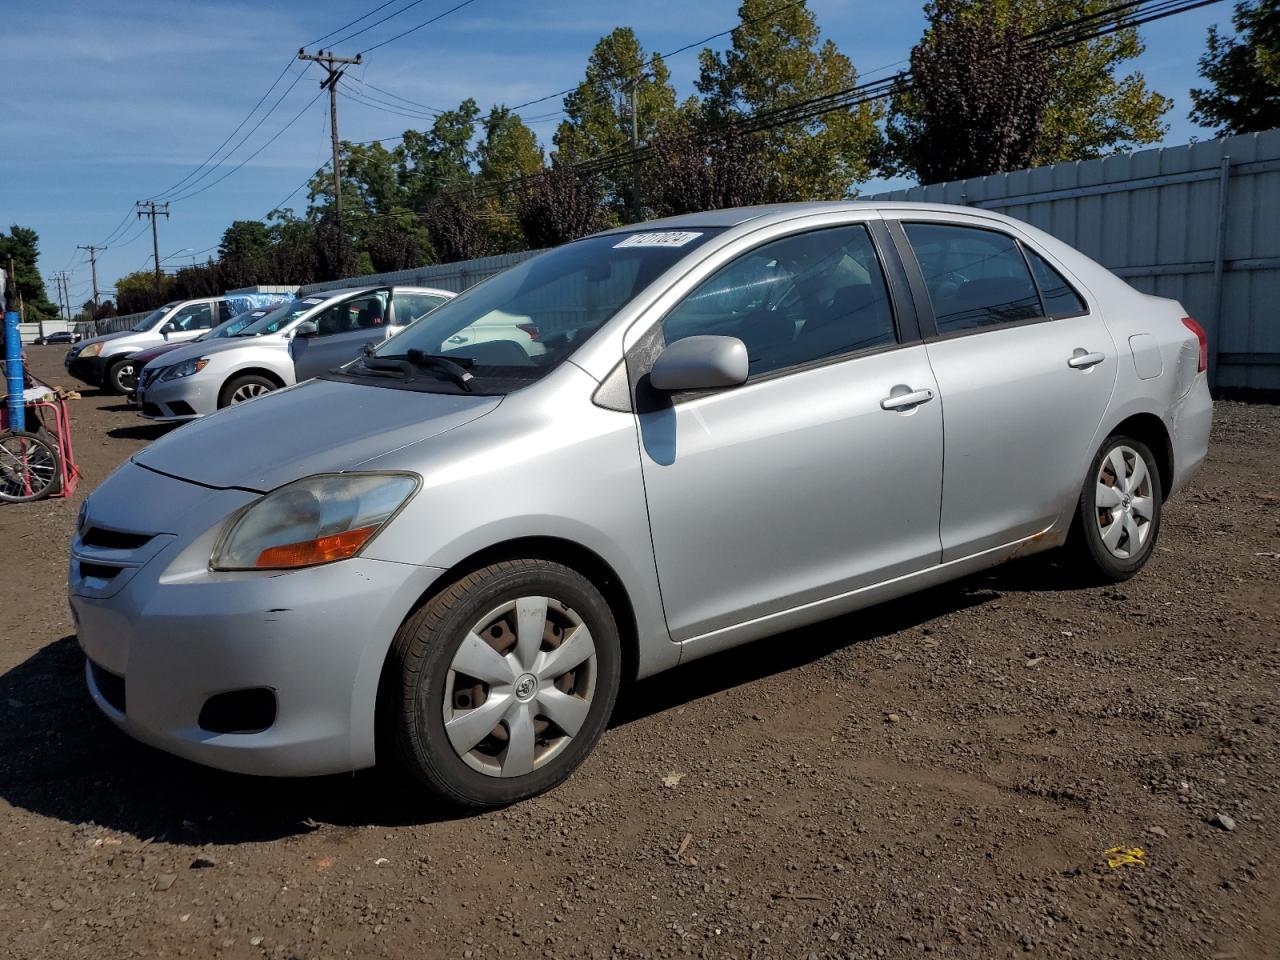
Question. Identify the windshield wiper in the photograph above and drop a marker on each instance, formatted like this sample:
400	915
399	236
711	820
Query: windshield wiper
405	362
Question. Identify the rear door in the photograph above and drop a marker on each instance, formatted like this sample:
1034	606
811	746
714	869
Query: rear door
822	473
1025	367
343	330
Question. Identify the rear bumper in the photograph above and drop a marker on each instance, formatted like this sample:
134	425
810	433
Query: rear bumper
1192	421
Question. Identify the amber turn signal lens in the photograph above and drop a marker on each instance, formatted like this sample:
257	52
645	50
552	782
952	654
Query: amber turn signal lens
307	553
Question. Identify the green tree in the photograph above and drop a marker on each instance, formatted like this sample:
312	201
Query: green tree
599	111
559	205
1244	71
689	172
137	291
779	59
1093	108
23	245
439	159
509	151
979	92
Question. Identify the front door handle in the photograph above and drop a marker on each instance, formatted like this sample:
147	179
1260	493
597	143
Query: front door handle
908	398
1081	359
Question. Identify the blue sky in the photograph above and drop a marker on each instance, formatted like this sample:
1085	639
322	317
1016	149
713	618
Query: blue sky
112	102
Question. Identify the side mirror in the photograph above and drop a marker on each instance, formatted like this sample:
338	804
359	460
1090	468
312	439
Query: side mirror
700	363
307	328
168	328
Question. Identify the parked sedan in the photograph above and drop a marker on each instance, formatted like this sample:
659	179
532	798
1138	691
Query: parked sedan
228	328
298	340
60	336
740	422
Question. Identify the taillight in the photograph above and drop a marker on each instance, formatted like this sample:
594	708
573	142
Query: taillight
1204	342
530	328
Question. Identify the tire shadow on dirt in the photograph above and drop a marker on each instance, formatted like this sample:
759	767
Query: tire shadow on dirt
63	759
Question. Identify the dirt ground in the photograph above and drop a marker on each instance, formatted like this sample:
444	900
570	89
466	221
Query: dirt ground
939	775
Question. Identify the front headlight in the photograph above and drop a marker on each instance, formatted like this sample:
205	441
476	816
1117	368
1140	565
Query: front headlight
316	520
91	349
186	368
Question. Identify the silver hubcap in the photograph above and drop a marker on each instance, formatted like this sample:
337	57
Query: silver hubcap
248	391
125	378
1125	502
520	686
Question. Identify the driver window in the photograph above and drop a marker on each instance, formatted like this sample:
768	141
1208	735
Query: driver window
198	316
362	313
796	300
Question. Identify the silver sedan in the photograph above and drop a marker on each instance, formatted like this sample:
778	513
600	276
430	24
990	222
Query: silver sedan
629	452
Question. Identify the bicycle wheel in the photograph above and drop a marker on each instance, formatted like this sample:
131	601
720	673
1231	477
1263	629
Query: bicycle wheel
29	466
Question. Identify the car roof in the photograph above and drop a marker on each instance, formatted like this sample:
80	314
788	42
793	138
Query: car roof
772	212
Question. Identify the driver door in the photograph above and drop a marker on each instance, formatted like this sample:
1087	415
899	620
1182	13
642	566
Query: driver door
798	486
343	330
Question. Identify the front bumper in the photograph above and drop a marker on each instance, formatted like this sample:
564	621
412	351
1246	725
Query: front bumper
172	401
176	634
88	370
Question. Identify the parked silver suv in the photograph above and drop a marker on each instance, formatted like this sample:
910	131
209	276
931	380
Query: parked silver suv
298	340
737	422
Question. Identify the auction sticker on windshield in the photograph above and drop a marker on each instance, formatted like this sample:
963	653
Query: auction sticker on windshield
664	238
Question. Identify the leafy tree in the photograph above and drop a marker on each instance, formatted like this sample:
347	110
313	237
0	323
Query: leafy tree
558	206
599	111
509	150
777	59
454	224
1244	71
979	92
23	245
137	291
1092	109
439	159
688	171
397	241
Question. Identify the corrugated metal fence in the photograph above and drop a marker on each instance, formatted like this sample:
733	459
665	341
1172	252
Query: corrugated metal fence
1198	223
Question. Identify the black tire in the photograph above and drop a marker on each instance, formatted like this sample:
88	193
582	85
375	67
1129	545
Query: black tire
121	377
18	485
227	397
1092	557
412	698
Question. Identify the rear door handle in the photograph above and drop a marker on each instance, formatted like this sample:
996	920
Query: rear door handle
900	401
1083	360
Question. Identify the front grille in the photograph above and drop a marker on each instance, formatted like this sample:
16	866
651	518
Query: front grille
115	539
110	685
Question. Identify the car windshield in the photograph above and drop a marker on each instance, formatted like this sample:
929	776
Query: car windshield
514	328
282	316
152	318
232	327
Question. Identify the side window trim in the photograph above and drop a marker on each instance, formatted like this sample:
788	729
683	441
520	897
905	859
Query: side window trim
920	289
1027	249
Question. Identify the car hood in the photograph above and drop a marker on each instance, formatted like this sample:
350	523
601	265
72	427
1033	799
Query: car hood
146	356
319	426
207	348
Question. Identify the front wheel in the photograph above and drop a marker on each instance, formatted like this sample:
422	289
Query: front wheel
241	389
30	468
122	377
501	684
1118	516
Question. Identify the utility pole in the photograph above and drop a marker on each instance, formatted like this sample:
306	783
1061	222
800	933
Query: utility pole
635	147
149	208
63	303
330	82
93	266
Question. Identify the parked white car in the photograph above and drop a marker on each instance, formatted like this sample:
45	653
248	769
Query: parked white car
296	341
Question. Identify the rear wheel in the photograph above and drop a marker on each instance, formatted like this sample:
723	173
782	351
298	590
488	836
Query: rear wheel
245	388
499	687
29	466
122	377
1118	516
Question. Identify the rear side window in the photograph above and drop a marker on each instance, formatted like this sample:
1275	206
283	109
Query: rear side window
976	278
796	300
1060	298
414	306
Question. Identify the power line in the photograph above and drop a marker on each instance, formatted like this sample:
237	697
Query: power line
247	116
366	29
424	23
396	96
276	136
352	23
